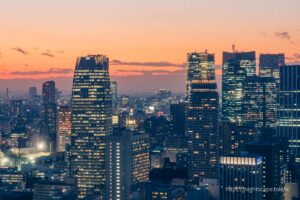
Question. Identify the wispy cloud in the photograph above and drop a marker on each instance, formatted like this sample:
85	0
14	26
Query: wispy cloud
123	72
147	64
37	72
283	35
295	58
20	50
47	54
297	55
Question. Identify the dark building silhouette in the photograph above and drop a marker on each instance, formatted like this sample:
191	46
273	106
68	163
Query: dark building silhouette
48	93
50	115
32	93
177	115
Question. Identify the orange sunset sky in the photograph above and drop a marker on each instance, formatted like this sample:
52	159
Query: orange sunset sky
145	40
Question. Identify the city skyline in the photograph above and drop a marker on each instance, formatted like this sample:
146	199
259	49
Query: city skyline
139	36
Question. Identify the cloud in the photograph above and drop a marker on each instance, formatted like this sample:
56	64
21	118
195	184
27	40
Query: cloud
148	64
36	72
123	72
283	35
22	51
295	58
47	54
60	52
297	55
0	54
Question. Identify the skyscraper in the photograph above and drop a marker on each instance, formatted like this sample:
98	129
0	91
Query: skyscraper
202	129
240	176
236	68
127	163
177	115
202	116
269	65
288	113
63	127
50	114
199	66
48	93
259	102
90	123
114	95
32	93
270	151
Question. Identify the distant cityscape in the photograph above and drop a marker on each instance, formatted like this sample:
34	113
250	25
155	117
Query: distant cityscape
238	140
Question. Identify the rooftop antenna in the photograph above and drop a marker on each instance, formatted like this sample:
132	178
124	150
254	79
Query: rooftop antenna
234	50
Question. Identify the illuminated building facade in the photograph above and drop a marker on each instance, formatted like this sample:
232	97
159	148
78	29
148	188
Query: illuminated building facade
236	68
288	113
63	128
259	102
269	65
240	176
199	66
202	116
91	121
127	163
202	129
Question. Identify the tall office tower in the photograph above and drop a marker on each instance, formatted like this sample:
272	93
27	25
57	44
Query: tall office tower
50	114
236	68
48	93
270	151
127	163
90	122
288	112
269	65
200	66
240	176
177	115
259	102
63	127
114	96
202	129
32	93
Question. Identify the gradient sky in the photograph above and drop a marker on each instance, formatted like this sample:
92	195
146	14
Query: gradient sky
144	39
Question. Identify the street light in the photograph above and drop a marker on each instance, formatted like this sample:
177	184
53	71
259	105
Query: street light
41	146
